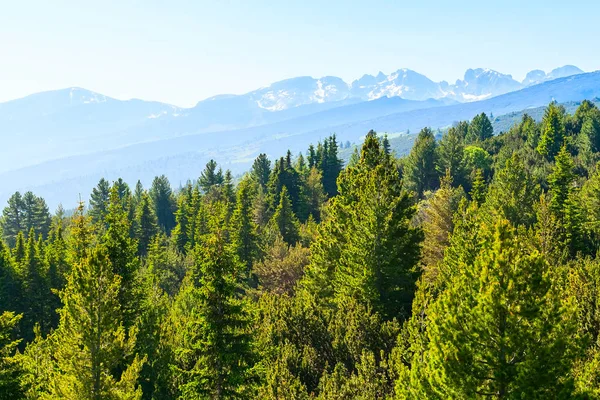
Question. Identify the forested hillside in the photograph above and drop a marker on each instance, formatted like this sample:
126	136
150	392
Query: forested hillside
465	269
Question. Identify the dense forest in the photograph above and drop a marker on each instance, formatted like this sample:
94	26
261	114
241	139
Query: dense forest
466	269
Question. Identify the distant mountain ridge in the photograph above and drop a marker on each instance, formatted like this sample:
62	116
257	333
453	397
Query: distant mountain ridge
182	149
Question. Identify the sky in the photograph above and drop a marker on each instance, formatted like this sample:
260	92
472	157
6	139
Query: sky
183	51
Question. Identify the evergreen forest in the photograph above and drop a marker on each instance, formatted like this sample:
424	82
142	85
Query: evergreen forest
466	269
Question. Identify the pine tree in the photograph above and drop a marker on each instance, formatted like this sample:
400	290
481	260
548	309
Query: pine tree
212	351
244	237
261	170
91	342
210	176
284	220
500	329
10	285
19	249
315	193
387	149
437	219
367	248
513	192
36	290
24	213
180	233
163	202
480	129
331	166
451	156
419	172
10	368
122	251
560	182
12	219
553	132
99	201
146	224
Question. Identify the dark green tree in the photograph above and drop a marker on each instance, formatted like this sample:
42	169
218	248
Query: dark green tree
261	170
164	203
213	354
99	201
284	220
419	172
553	132
145	224
480	129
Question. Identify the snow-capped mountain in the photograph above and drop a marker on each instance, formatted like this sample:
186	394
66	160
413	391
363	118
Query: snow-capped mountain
538	76
403	83
480	83
299	91
477	84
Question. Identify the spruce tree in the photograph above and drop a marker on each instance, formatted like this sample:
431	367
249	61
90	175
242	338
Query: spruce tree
36	291
480	129
91	342
451	156
261	170
99	201
284	220
244	237
210	176
553	132
164	204
367	248
419	173
146	224
501	329
10	284
122	254
213	353
10	368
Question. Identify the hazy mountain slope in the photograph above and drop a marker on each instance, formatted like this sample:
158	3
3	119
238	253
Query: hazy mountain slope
183	157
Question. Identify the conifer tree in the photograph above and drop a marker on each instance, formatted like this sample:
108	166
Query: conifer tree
419	172
210	176
91	343
315	193
122	251
244	237
451	156
146	224
513	192
12	221
19	249
212	351
10	368
261	170
561	181
367	248
500	329
553	132
331	166
24	213
480	129
99	201
284	220
163	202
10	285
437	219
180	233
36	291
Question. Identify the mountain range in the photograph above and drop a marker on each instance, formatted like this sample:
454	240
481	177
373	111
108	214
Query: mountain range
60	143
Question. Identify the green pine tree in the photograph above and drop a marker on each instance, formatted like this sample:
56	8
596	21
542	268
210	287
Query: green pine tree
213	355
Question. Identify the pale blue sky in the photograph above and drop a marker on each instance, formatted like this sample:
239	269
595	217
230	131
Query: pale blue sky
182	51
